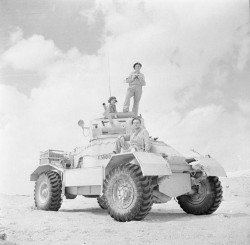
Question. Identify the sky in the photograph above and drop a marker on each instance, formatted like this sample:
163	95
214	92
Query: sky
57	58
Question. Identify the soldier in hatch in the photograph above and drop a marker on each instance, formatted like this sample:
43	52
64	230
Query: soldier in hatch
138	139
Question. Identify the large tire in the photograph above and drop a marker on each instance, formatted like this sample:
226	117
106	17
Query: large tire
101	202
48	190
127	193
205	202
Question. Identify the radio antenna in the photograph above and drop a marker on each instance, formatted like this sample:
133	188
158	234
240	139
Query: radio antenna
109	77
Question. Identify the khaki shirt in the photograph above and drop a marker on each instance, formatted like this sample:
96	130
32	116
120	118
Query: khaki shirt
140	80
111	108
139	140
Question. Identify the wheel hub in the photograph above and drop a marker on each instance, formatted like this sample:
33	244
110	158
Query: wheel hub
44	192
123	194
200	195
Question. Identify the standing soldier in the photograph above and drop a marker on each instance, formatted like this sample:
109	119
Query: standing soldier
135	80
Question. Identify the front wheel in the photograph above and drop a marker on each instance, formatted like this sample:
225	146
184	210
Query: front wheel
48	190
101	202
127	193
206	200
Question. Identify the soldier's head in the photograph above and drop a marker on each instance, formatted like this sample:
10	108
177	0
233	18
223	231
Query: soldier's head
137	66
136	122
112	100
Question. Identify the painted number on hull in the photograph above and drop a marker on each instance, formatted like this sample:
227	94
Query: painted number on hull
104	156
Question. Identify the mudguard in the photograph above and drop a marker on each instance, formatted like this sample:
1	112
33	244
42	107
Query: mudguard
152	164
44	168
209	165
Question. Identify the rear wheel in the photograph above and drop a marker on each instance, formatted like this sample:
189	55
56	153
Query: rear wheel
206	200
48	190
127	193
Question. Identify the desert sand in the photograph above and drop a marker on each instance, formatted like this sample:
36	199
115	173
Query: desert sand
81	221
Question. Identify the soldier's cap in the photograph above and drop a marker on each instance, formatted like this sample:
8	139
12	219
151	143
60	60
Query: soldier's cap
137	63
112	98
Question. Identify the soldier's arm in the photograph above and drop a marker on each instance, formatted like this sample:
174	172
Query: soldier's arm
130	78
108	109
125	136
107	114
146	141
142	79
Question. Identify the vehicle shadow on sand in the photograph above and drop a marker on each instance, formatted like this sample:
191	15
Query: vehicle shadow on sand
151	217
158	217
96	211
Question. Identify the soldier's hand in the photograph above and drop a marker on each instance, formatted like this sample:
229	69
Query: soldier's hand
134	76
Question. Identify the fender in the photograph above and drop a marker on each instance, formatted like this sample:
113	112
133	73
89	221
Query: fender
45	168
152	164
209	165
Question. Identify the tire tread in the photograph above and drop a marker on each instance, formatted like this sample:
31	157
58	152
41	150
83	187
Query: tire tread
144	188
211	202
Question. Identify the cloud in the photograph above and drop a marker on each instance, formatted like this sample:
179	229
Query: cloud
71	90
151	33
244	47
184	50
33	53
209	130
244	105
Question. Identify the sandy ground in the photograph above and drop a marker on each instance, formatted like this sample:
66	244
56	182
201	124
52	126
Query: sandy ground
81	221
